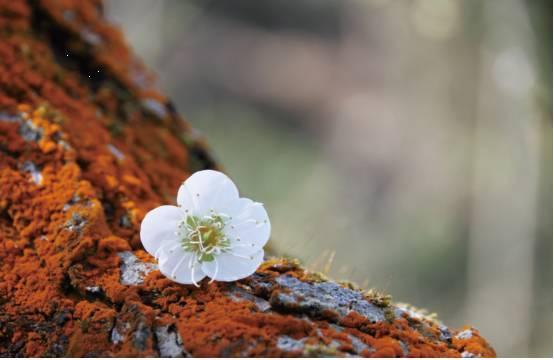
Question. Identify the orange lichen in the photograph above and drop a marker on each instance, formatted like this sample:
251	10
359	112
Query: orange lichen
468	341
87	147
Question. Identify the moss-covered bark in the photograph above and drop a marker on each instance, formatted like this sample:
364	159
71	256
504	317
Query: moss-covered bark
87	147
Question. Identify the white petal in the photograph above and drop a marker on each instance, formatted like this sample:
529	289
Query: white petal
246	209
207	189
175	263
159	225
248	242
185	199
239	206
228	267
249	228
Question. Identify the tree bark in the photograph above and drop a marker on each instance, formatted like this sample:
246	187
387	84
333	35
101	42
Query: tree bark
87	147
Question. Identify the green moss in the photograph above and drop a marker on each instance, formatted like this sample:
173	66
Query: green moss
316	277
349	285
320	350
389	314
378	298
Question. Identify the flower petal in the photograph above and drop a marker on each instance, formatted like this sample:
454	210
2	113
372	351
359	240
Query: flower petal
159	225
179	266
248	242
246	209
236	208
207	189
228	267
185	199
249	228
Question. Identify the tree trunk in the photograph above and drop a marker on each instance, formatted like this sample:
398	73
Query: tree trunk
87	147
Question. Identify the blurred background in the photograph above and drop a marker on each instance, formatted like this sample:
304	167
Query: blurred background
402	145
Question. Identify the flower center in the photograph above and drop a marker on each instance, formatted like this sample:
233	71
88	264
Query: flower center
204	236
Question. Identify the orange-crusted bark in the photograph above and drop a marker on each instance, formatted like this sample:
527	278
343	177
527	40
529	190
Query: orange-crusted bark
87	147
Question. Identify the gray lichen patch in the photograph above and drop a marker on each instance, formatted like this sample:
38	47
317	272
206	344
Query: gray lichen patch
74	200
29	131
445	334
322	299
465	335
132	269
286	343
125	221
405	348
76	223
414	313
93	289
139	78
155	107
116	152
239	294
64	145
141	335
116	337
33	170
134	326
90	36
170	343
7	117
358	345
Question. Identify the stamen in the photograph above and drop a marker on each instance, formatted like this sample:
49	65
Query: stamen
192	272
205	236
216	271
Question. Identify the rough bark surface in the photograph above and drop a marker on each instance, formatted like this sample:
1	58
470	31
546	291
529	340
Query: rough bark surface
87	147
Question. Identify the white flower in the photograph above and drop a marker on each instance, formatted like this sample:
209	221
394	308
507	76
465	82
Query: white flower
212	232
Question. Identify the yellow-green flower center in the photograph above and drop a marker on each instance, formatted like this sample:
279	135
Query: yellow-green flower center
204	236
